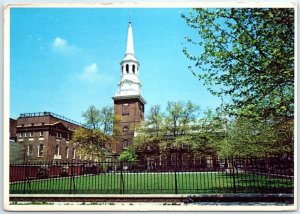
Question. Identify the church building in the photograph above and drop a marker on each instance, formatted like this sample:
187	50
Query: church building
128	100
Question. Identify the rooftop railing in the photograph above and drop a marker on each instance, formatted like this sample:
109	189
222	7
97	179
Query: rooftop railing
46	113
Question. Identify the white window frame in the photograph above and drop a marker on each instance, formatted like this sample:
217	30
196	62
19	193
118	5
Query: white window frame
125	144
28	150
74	154
30	134
58	150
42	150
41	134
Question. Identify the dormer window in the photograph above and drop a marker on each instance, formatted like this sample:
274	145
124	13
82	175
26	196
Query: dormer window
127	68
133	69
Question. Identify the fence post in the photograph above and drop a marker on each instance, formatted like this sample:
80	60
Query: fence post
71	180
176	189
26	178
121	179
233	176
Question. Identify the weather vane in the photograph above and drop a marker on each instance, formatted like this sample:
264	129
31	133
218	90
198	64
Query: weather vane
129	17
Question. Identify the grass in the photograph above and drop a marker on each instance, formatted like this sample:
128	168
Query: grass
155	183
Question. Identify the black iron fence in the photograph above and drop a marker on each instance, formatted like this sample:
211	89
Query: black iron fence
239	175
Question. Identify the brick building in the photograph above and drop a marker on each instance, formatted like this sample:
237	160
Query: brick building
46	136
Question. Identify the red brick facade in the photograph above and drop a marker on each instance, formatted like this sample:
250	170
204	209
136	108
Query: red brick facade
46	136
129	113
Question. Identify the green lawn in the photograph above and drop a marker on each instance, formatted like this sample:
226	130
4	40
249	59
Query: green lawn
156	183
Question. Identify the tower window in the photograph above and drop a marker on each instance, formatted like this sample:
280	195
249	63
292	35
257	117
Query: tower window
125	144
126	109
125	128
127	68
133	69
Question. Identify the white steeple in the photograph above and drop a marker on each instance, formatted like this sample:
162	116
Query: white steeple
129	46
129	85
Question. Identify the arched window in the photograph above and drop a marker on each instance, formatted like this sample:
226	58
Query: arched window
173	159
185	159
127	68
133	69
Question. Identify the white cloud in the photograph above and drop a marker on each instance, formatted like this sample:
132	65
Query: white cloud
90	73
62	46
59	42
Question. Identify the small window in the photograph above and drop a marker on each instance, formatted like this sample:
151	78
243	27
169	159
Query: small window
67	152
68	136
57	150
25	134
40	150
22	125
21	134
125	144
133	69
60	136
32	124
185	159
125	128
57	135
125	109
127	68
30	150
73	153
141	110
31	134
43	124
173	159
41	134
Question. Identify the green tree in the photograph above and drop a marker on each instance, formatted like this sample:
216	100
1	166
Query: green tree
92	117
165	131
252	137
246	54
91	142
106	119
129	155
150	132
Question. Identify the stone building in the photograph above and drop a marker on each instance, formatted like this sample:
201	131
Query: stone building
46	136
128	101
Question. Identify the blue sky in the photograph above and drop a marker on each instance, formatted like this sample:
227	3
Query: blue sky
64	60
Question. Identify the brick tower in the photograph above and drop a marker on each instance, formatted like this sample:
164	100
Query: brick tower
128	101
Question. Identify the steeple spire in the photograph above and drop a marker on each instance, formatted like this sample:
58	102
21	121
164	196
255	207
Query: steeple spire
129	45
129	84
